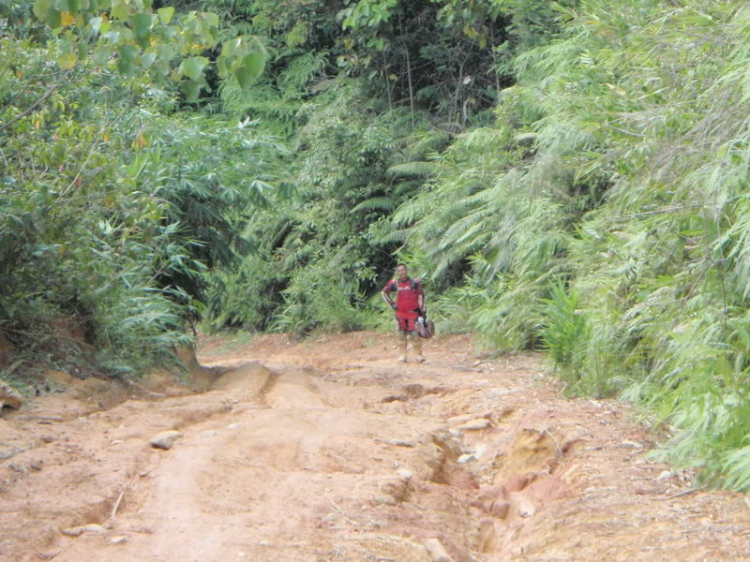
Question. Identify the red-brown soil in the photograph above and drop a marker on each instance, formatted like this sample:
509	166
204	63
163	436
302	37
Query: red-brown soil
328	450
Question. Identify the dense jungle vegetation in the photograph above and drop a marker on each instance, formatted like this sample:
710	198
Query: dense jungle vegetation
570	176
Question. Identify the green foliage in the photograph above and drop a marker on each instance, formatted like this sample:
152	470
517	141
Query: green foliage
276	100
324	298
737	467
112	208
317	257
160	44
564	330
368	13
454	76
365	146
618	163
455	308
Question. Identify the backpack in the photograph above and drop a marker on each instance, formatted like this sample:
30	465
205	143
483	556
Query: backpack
394	284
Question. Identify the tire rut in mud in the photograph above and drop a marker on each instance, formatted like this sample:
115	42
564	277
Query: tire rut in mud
338	471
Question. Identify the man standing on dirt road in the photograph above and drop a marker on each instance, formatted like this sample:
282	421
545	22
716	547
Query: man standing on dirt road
409	306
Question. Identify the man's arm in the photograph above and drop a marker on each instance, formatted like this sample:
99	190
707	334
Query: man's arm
387	297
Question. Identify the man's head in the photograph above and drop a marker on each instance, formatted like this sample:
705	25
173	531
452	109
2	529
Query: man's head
402	273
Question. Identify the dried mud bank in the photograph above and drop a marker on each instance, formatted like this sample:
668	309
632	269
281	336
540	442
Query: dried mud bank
330	451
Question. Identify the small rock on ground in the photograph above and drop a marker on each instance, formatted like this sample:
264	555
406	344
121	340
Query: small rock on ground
117	540
78	531
487	535
9	396
165	439
481	423
664	475
436	551
499	509
463	459
405	474
522	505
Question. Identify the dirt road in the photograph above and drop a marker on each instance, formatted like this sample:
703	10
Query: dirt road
329	451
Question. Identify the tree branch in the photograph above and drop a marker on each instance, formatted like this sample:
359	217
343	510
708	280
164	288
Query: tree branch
38	102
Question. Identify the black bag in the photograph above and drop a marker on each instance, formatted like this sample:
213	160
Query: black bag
425	328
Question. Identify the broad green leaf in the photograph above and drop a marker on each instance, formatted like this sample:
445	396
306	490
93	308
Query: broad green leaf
221	66
190	89
120	10
66	60
243	77
142	24
166	14
194	66
254	63
159	71
52	18
230	47
127	53
142	28
41	7
148	59
165	52
101	55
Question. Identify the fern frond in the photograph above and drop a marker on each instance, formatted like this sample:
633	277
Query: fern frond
415	169
376	204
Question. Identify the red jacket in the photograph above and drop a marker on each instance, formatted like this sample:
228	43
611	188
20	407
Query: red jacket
407	298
